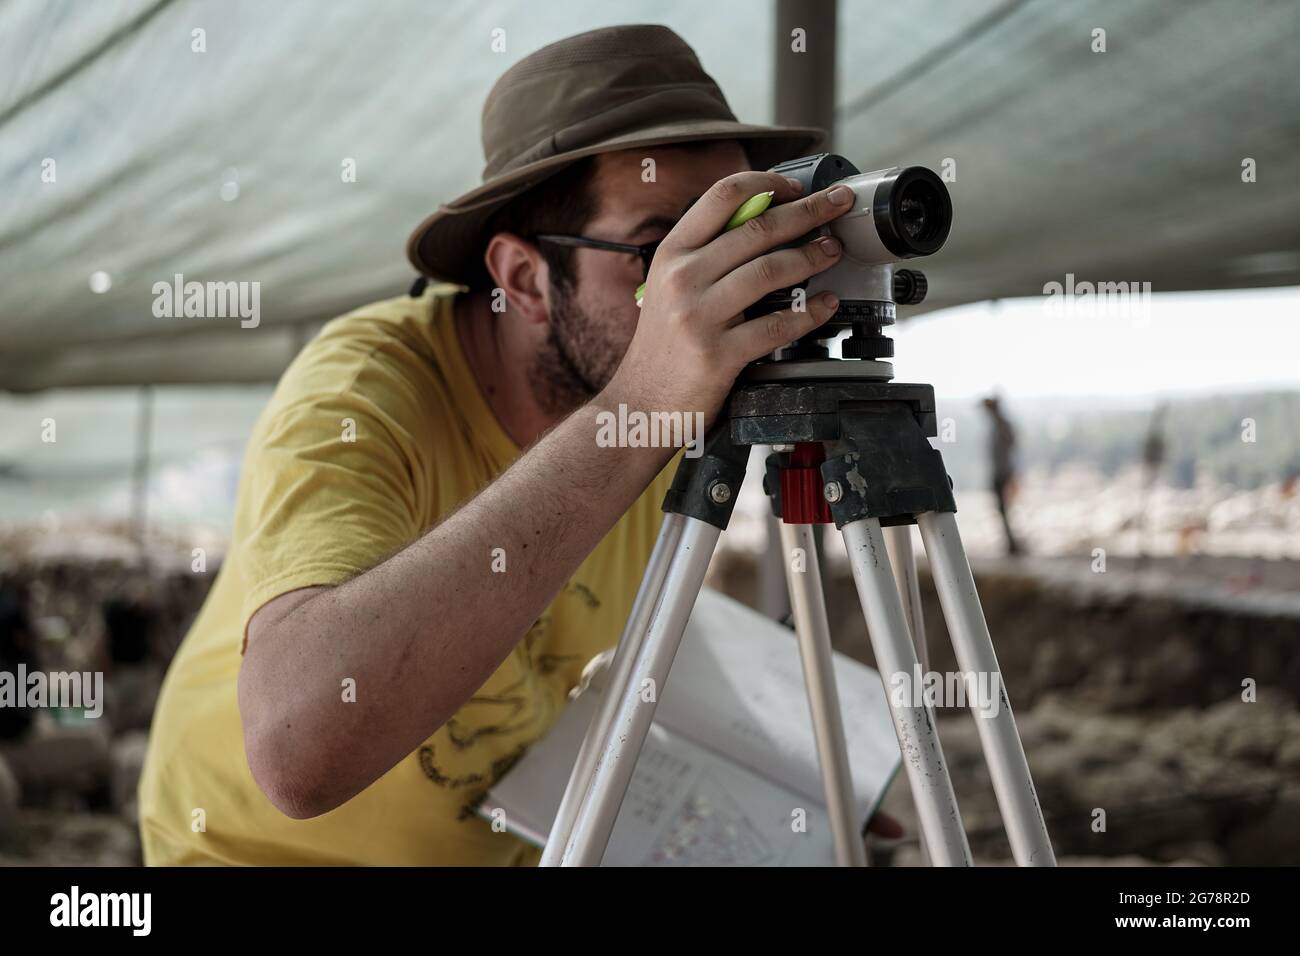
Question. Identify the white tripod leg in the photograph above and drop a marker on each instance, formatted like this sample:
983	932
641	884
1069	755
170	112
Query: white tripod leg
918	737
620	670
898	539
618	753
809	605
1003	751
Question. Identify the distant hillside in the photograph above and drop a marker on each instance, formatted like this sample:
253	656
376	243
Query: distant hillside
1199	433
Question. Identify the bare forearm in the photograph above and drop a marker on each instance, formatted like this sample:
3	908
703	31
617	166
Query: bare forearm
423	631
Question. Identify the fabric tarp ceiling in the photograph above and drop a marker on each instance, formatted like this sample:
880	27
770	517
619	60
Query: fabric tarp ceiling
225	164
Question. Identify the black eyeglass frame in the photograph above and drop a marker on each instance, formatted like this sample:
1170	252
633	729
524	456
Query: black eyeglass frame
645	250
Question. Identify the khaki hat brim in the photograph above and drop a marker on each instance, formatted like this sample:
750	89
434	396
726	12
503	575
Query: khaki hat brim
448	245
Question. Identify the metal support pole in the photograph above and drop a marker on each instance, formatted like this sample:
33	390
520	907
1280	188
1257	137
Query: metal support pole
772	598
804	79
140	478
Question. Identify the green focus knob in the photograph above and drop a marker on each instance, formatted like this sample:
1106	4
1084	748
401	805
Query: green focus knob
751	207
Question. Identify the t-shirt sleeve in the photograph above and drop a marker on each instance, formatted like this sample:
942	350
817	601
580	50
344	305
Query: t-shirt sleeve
330	489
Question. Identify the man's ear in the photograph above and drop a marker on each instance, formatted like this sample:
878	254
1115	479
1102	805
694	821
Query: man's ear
518	268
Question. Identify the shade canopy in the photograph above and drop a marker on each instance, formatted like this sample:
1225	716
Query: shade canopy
130	155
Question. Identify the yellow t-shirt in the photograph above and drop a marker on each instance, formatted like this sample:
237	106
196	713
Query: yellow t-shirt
375	433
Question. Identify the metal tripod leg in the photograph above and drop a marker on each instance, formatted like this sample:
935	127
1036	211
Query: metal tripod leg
1003	752
616	686
809	605
918	737
898	539
621	745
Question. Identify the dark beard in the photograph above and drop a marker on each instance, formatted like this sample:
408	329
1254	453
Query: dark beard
576	360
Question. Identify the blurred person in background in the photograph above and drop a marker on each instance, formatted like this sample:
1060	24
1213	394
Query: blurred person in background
1153	459
1002	445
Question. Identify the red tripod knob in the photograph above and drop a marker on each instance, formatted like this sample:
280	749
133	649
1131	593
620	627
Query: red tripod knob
802	501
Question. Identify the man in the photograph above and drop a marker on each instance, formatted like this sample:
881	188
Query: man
1153	459
1002	444
429	542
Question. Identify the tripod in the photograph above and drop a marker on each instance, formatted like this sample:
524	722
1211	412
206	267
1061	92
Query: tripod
862	459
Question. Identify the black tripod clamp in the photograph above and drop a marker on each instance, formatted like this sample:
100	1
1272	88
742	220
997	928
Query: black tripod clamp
705	487
879	461
884	468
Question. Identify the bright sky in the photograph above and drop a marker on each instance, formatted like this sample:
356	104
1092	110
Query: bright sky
1182	343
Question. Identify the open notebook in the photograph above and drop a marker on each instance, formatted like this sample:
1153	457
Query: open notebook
729	774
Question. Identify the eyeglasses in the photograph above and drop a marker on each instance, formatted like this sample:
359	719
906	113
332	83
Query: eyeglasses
646	250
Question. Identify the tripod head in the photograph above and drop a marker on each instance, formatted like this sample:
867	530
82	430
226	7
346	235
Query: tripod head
898	213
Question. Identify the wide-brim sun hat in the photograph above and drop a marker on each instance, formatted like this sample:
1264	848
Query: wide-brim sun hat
604	90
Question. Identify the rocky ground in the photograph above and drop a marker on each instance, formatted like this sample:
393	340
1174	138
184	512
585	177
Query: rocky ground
85	602
1214	786
1166	696
1128	687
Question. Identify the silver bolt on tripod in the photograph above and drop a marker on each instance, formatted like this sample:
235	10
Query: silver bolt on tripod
861	458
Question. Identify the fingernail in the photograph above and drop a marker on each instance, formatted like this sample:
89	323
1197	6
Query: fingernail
840	195
829	246
832	300
798	186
